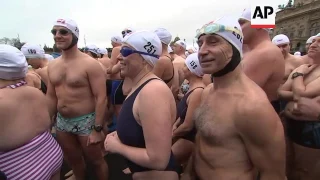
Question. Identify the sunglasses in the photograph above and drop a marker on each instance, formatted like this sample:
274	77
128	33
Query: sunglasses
125	52
63	32
214	28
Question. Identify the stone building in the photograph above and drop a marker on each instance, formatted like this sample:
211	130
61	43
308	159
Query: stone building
298	22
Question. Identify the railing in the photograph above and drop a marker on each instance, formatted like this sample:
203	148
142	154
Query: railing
291	12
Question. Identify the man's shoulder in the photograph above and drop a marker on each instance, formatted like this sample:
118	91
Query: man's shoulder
269	51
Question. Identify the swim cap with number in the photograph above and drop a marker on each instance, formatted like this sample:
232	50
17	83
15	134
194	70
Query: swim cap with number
193	64
33	51
145	41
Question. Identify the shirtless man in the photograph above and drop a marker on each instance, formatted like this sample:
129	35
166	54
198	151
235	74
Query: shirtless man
27	150
36	58
302	127
291	61
179	48
264	63
239	133
117	96
306	58
77	94
164	67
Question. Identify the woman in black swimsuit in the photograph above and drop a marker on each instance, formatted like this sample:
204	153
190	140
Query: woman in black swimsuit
183	130
145	121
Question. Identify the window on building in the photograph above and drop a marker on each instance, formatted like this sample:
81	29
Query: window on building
300	33
316	31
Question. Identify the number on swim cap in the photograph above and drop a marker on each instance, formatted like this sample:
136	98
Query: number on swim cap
32	51
193	64
149	48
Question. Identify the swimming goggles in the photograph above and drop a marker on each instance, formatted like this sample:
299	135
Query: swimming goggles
212	28
126	51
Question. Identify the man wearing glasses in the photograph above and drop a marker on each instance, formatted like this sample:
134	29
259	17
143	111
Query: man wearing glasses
77	96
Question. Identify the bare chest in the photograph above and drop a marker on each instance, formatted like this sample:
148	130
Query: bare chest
214	121
313	75
73	76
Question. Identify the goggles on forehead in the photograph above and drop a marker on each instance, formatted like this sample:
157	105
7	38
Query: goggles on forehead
126	51
212	28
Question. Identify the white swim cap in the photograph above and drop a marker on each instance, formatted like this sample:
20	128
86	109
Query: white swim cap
103	51
92	48
116	39
309	41
147	42
13	64
246	14
181	43
297	53
280	39
49	57
164	35
170	49
226	27
69	24
32	51
193	64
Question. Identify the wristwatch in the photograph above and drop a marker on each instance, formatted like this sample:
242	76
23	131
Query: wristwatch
97	128
296	74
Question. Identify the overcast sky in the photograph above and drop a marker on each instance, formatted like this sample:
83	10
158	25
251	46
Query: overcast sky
98	20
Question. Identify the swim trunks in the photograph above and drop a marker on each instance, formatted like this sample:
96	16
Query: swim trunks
304	133
81	125
41	158
116	93
109	87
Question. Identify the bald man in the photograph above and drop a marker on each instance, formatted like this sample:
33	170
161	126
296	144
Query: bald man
264	63
291	61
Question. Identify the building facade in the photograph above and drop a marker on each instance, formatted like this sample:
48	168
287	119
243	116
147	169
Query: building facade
298	22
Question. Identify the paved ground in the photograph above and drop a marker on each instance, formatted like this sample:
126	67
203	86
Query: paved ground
116	164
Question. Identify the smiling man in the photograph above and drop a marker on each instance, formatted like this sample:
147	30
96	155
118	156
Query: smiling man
238	132
77	94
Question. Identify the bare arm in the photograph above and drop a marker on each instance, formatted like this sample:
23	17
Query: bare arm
158	140
285	91
263	135
310	90
114	61
193	103
51	96
115	69
97	82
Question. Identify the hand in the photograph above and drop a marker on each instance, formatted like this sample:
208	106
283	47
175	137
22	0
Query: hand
112	143
94	138
305	68
307	107
174	128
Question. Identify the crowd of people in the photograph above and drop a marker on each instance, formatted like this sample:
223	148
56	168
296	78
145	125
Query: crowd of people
238	107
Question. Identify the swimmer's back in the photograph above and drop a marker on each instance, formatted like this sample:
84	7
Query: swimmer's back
23	111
